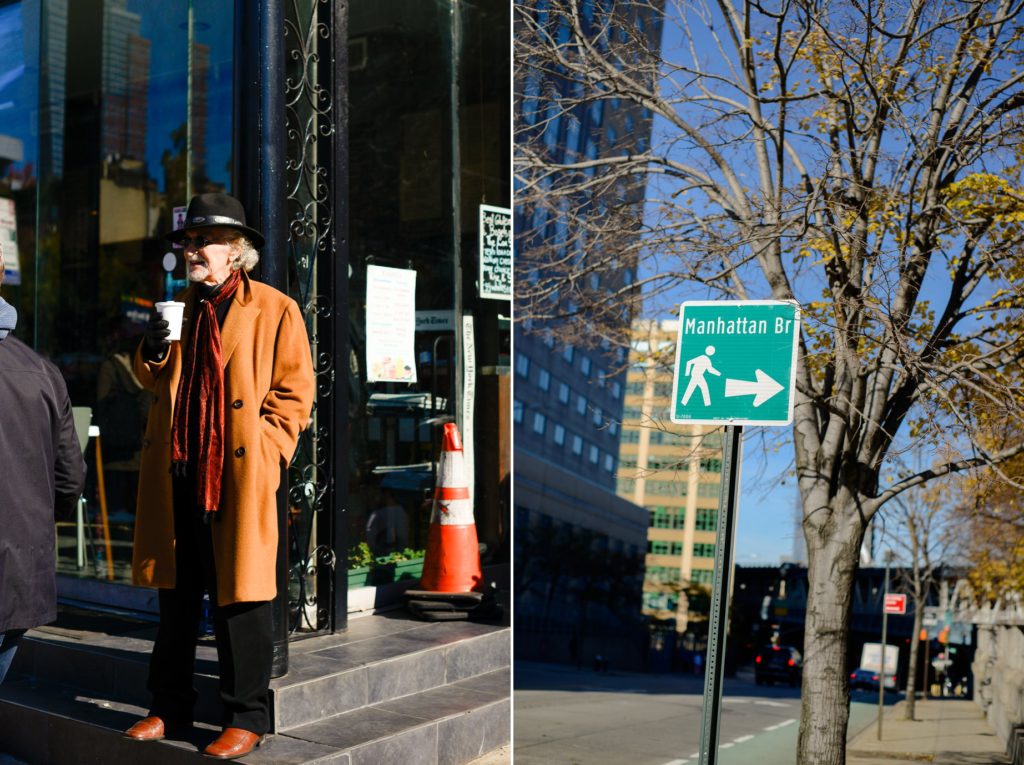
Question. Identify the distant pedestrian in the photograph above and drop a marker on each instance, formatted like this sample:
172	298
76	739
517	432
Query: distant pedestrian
574	650
43	476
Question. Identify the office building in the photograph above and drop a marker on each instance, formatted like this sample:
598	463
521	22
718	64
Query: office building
578	546
674	473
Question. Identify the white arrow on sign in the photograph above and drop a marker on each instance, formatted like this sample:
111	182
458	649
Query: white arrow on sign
762	390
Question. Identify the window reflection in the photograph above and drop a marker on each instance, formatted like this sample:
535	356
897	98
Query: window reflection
100	138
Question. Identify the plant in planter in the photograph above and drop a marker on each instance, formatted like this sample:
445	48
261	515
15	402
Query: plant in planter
396	566
360	559
365	569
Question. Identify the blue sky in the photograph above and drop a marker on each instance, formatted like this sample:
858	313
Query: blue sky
766	524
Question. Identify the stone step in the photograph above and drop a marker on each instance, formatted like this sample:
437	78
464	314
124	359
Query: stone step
53	723
379	658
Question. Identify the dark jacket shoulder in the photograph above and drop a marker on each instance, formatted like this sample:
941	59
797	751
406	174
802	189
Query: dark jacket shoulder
18	357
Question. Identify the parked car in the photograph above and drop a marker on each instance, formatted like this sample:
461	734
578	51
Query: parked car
778	663
868	679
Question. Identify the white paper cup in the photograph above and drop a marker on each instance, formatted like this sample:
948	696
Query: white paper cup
172	312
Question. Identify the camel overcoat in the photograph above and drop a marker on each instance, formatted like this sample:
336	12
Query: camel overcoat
268	390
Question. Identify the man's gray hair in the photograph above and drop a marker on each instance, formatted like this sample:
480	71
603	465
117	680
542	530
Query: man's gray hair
248	256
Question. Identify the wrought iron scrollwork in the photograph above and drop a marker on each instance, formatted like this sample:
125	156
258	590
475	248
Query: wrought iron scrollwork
310	131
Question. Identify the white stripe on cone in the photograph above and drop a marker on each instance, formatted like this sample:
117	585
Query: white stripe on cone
452	512
453	470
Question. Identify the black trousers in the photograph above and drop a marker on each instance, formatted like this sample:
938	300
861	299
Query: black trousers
243	631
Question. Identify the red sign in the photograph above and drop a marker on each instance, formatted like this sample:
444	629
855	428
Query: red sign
895	603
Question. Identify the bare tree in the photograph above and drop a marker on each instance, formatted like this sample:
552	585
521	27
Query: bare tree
922	542
863	159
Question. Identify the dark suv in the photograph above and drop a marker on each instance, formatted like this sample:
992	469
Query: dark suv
778	663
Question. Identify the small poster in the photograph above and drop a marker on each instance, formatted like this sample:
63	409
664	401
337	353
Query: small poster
178	221
9	241
390	324
495	252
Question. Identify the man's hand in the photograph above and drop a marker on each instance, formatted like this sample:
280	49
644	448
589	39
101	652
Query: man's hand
154	341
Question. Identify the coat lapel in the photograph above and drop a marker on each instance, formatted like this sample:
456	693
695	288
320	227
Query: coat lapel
240	319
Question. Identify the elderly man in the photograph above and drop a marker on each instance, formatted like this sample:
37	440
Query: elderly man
229	402
43	471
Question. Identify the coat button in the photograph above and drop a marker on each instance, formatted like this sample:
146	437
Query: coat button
240	451
237	403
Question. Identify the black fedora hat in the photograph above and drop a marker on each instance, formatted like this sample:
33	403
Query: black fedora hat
215	211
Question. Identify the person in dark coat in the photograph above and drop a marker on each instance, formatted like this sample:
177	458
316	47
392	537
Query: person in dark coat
44	474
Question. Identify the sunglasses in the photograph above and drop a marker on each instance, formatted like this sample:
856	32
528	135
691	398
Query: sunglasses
199	242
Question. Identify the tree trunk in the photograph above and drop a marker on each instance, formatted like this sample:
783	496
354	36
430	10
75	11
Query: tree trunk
832	551
915	641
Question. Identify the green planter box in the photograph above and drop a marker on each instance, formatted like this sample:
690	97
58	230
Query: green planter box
358	577
385	573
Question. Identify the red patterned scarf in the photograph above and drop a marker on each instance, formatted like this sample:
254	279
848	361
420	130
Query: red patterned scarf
202	386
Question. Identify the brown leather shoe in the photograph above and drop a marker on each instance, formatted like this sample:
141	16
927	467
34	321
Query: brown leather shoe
233	743
147	729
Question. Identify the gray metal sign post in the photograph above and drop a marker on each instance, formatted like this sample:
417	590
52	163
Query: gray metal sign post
735	365
714	672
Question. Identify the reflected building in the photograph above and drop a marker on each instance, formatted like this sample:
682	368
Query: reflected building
52	63
123	83
674	472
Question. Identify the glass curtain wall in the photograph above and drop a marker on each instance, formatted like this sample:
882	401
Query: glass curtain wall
114	112
105	128
428	121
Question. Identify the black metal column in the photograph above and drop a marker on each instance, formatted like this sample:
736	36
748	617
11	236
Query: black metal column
258	173
339	331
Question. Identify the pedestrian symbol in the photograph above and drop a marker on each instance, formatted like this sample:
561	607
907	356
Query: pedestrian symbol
741	357
695	369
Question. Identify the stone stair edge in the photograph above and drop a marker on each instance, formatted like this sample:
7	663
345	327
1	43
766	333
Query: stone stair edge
322	753
281	684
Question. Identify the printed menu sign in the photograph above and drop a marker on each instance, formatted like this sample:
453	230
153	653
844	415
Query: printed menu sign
495	252
390	324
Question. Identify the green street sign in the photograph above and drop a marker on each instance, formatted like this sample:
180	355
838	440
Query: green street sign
735	362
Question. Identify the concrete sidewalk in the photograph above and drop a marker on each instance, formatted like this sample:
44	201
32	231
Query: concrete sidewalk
944	731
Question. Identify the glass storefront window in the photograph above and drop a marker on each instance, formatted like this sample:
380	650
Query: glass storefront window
102	138
113	113
405	61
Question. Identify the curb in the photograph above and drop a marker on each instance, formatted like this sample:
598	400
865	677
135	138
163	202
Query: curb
883	755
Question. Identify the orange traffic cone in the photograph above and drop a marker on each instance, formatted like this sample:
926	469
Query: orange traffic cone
452	562
452	584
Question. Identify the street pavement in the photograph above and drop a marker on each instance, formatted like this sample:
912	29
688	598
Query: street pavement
943	732
565	716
